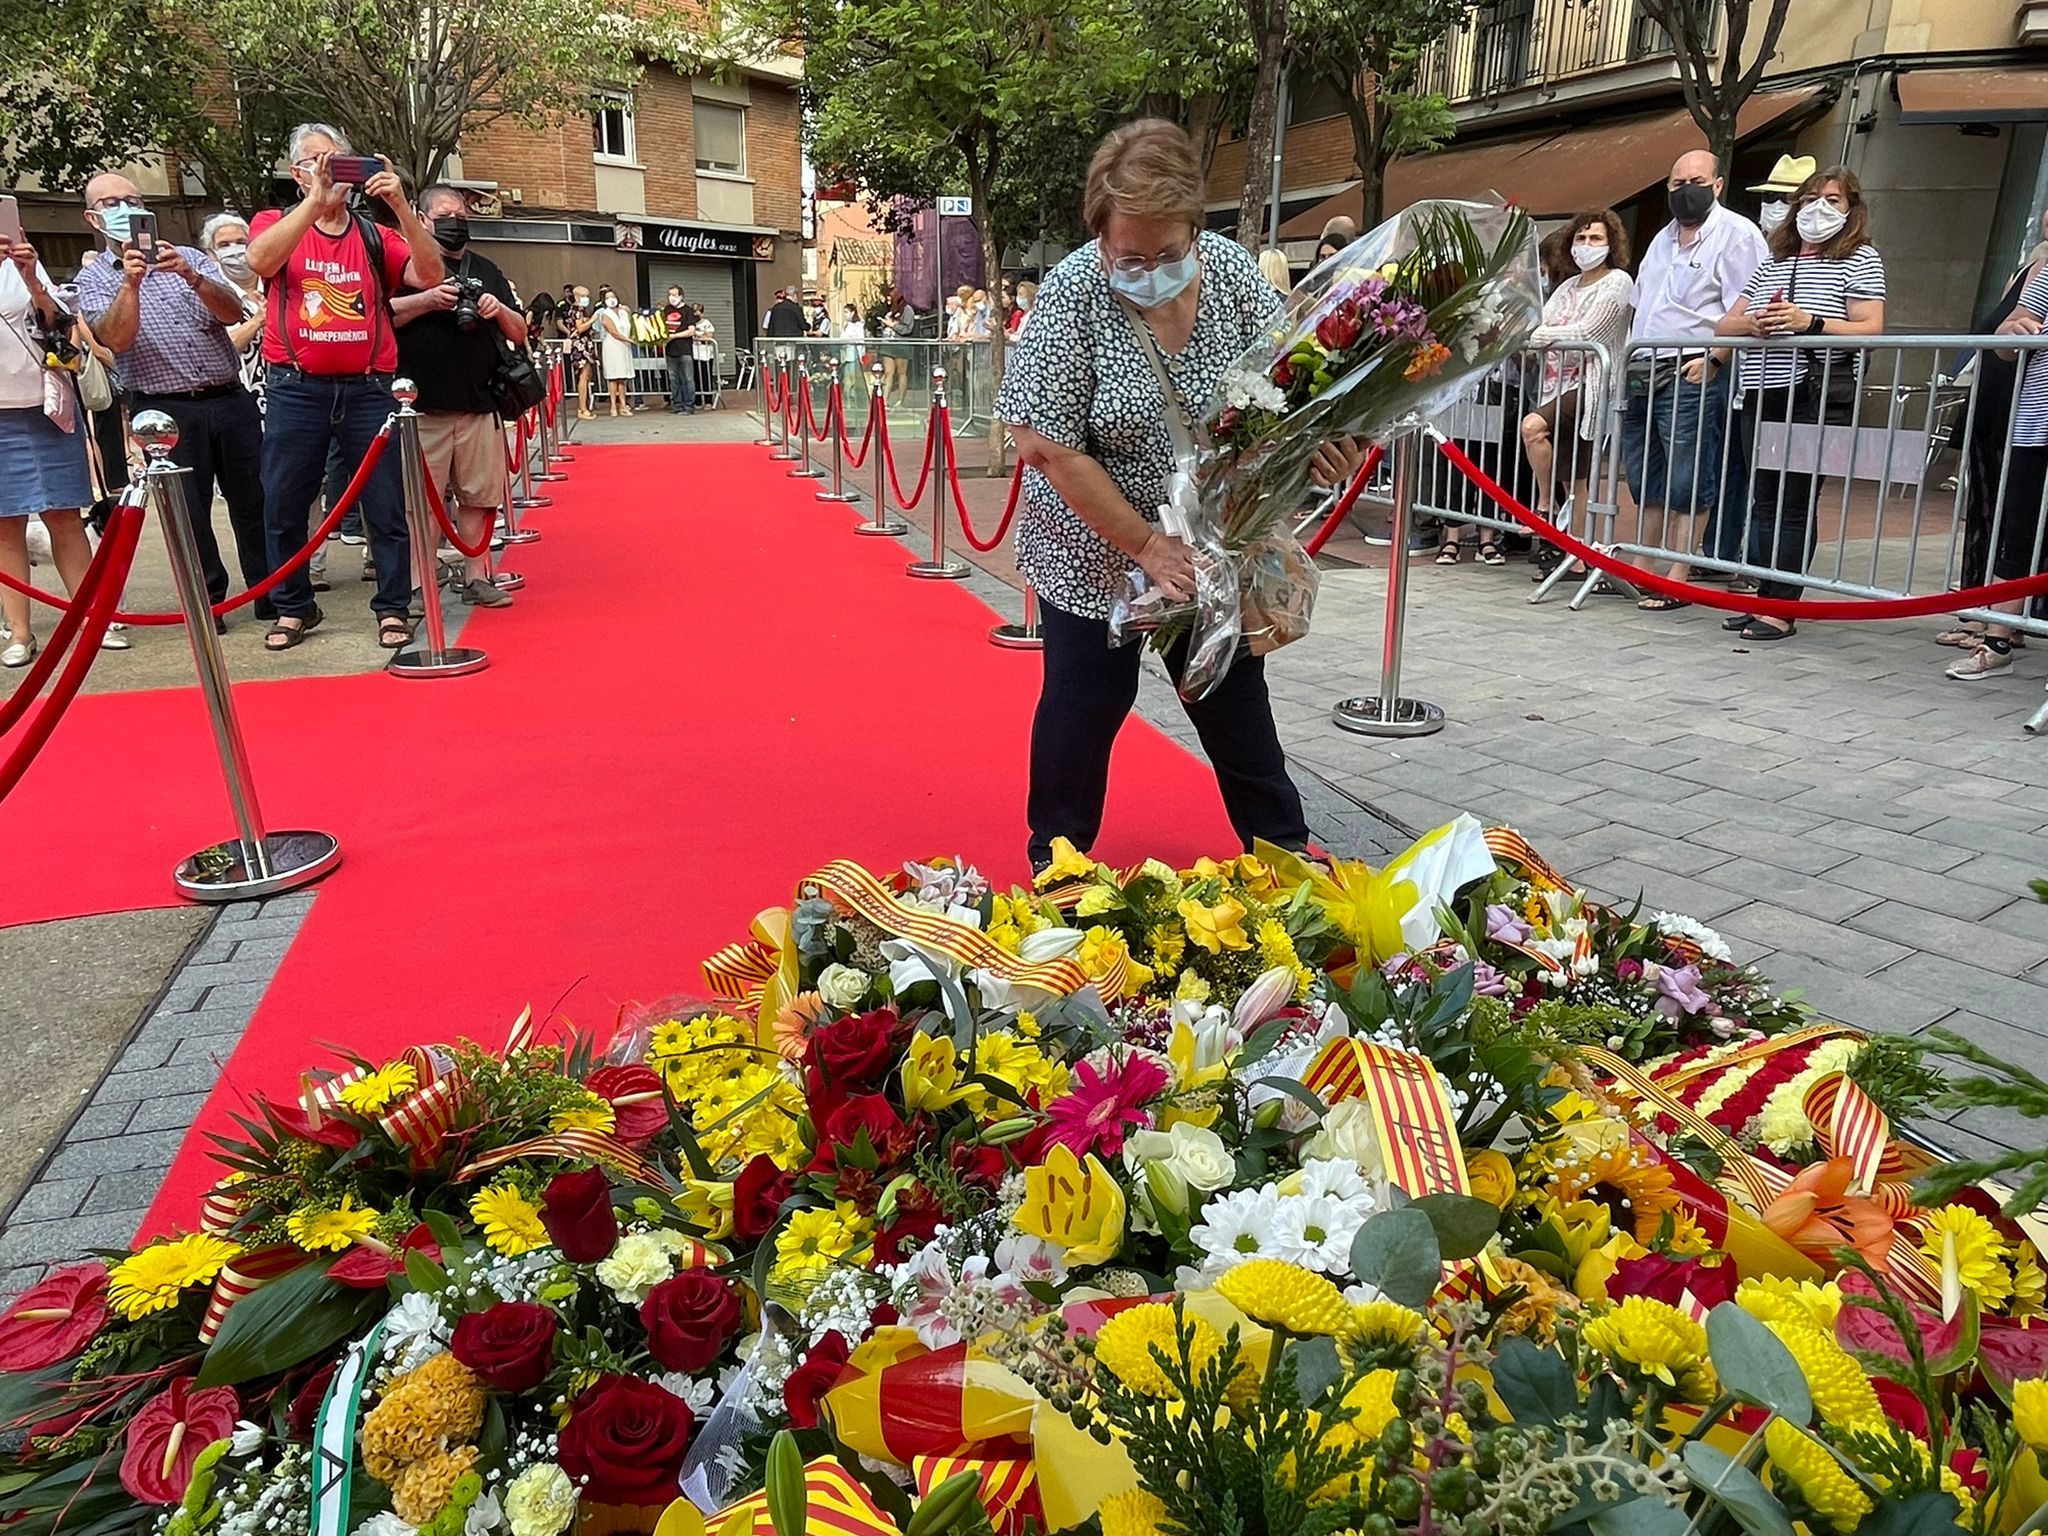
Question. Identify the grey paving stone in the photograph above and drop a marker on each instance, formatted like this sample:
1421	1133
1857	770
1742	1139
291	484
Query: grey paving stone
50	1200
2000	873
1625	880
2023	1003
1867	1002
200	1021
1898	847
64	1242
1616	841
2000	1126
123	1192
211	1049
172	1112
97	1120
1845	805
147	1051
194	1078
1650	815
118	1154
1918	887
239	994
1989	837
1817	898
1785	850
14	1281
1943	934
1796	933
2026	918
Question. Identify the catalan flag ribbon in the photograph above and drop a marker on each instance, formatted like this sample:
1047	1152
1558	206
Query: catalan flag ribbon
898	1400
1411	1112
244	1276
836	1505
759	973
1848	1123
1009	1487
1512	851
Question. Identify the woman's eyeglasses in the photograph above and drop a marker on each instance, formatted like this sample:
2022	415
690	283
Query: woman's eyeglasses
1134	266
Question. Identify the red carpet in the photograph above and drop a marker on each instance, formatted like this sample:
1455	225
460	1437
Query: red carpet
708	687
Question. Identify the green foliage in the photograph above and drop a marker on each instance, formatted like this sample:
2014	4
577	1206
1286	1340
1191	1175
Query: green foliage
1896	1076
2000	1085
291	1319
1397	1253
1754	1367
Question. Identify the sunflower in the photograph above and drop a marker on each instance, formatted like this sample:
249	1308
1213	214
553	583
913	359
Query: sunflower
333	1229
376	1091
1967	1248
1638	1193
511	1222
152	1280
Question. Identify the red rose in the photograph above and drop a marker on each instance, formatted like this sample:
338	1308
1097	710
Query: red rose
757	1196
628	1437
689	1319
857	1052
576	1208
54	1319
510	1345
867	1112
639	1112
365	1269
304	1411
1283	372
167	1435
805	1387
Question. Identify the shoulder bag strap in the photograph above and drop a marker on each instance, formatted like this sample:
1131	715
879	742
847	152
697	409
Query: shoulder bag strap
1180	425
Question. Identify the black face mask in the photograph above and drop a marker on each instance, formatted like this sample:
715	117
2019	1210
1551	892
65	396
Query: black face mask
1691	203
451	233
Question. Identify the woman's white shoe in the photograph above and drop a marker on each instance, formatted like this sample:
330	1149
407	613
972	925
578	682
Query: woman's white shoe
19	654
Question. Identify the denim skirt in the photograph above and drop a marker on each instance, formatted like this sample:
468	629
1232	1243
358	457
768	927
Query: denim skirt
41	468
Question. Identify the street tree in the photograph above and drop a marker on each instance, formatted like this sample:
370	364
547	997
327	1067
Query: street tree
1718	81
1199	68
909	99
1267	20
1370	51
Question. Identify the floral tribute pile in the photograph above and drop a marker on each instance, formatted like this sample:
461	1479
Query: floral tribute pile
1255	1197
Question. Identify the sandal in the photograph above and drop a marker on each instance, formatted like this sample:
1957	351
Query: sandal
1665	605
393	633
1490	554
1448	555
1739	622
289	629
1760	631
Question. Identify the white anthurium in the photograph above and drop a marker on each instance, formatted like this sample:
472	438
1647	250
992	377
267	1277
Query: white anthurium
1037	949
1439	865
1265	997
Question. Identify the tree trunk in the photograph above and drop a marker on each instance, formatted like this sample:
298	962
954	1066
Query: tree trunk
1368	148
1721	140
1269	32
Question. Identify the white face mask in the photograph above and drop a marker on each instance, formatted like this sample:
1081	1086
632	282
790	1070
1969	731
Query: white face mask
233	255
1771	215
1819	222
1587	257
611	301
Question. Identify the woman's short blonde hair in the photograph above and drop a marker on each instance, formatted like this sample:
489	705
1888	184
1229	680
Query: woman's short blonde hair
1145	169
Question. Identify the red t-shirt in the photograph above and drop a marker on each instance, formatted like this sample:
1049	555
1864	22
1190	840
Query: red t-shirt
340	320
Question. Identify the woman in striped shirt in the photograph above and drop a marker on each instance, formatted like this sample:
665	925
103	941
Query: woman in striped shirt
2016	537
1823	278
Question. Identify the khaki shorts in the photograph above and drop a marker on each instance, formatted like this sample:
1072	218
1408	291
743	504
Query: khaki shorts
465	458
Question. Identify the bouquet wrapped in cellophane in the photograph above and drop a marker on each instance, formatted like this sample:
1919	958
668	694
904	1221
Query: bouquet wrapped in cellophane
1373	340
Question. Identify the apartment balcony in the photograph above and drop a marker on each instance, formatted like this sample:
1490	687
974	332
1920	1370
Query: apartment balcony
1515	58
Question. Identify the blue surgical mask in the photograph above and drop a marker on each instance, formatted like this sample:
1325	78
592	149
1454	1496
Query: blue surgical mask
1162	285
118	220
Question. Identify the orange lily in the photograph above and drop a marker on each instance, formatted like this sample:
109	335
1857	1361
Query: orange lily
1816	1214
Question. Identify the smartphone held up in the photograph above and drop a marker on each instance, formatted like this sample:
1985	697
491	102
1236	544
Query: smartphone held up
352	170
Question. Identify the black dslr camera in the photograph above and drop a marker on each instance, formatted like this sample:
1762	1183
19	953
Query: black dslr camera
467	291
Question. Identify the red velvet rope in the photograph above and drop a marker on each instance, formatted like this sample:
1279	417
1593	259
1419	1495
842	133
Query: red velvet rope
1734	602
960	499
447	523
769	404
262	588
907	503
53	654
99	591
514	455
1344	503
867	436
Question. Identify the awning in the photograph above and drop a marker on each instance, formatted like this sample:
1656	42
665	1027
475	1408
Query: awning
1554	173
2018	94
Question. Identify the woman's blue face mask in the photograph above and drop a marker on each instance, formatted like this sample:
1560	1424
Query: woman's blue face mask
1162	284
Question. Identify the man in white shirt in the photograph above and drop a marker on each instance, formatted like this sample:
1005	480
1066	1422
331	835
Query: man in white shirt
1675	406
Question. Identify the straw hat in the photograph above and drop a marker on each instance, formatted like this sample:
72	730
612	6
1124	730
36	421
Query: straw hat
1788	174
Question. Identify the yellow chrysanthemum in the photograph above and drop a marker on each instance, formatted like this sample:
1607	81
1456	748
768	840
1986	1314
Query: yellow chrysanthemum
812	1241
596	1115
1808	1466
2029	1284
1132	1513
1842	1394
1167	945
152	1280
1283	1295
1965	1244
1124	1346
511	1223
374	1092
1773	1298
1653	1337
1385	1322
332	1230
2030	1412
1095	901
1216	928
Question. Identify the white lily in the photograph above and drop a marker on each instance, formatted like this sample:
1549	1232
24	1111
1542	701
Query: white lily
1036	949
1438	866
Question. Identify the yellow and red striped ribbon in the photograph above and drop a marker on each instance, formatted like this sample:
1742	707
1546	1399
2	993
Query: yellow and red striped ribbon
1009	1486
1411	1113
837	1506
421	1118
221	1207
596	1146
244	1276
1848	1123
1511	849
853	887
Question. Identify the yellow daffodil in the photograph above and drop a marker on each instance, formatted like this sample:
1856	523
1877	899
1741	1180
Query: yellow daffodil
1068	863
1073	1205
374	1092
931	1075
332	1230
1215	928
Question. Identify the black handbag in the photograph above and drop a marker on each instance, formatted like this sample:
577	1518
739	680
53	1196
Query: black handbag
515	385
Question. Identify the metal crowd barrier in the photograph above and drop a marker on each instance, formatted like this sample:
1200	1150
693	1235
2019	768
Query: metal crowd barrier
906	374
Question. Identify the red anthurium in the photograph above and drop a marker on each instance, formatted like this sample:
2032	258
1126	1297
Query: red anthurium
329	1132
365	1268
639	1113
54	1320
167	1435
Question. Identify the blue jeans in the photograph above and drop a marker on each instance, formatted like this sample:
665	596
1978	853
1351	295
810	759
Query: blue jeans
1671	447
307	414
682	381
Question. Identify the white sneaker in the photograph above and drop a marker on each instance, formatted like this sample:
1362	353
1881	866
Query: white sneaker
19	654
1982	662
115	641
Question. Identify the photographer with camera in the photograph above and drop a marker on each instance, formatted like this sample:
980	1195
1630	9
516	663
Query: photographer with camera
453	340
164	311
330	350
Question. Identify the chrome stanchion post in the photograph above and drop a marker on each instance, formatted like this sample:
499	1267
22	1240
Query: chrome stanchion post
548	457
2037	723
938	567
254	862
882	524
804	469
513	505
764	368
523	498
1021	637
1386	713
835	428
436	658
504	581
784	451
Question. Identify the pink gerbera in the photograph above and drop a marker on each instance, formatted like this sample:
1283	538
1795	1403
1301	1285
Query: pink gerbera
1104	1105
